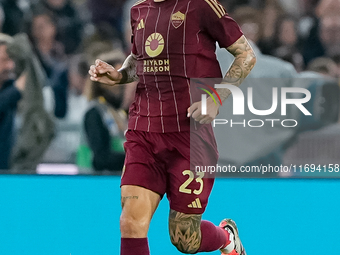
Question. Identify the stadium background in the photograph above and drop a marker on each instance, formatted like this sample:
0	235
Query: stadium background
42	214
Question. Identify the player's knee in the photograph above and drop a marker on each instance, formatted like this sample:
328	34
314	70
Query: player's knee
132	227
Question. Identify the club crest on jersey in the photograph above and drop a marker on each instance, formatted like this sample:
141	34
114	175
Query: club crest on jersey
177	19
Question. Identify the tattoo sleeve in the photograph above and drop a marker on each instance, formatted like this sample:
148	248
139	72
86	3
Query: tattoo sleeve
128	70
244	62
185	232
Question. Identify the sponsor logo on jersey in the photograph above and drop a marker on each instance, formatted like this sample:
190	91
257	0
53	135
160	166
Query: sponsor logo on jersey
154	45
155	66
141	24
177	19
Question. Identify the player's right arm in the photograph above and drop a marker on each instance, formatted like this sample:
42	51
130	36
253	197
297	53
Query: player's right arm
105	73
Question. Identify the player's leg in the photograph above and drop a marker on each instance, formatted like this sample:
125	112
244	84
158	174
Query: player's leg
142	185
188	194
189	234
138	207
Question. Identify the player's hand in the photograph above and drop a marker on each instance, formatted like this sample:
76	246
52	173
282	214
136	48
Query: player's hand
195	112
104	73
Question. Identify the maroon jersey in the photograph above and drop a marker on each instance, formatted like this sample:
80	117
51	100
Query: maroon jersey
174	40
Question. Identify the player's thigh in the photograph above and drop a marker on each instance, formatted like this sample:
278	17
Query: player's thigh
138	207
188	191
141	168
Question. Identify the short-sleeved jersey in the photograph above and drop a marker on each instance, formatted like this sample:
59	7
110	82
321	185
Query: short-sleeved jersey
174	40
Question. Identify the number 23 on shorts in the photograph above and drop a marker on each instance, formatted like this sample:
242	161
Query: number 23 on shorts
183	188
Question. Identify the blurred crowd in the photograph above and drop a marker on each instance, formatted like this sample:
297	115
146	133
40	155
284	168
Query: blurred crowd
303	32
68	35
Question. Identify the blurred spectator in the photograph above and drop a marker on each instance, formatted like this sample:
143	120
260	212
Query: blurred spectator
325	66
43	33
68	130
327	7
107	12
330	32
104	35
287	32
10	94
292	7
44	36
289	6
271	14
324	35
104	122
249	20
83	11
336	59
37	127
309	6
76	100
311	45
14	17
78	75
2	17
287	42
69	25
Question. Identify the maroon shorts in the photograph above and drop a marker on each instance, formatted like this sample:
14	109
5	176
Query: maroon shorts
160	162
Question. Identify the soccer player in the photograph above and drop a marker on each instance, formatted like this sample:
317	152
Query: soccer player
173	41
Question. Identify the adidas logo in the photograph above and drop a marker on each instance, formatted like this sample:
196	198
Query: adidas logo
141	25
195	204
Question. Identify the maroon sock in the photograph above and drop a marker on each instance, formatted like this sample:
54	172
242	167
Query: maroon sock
133	246
213	238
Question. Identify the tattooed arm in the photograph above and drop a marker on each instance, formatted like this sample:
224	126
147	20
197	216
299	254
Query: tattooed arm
107	74
244	62
185	232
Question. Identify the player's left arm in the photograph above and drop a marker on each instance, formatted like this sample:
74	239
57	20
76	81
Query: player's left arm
244	62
